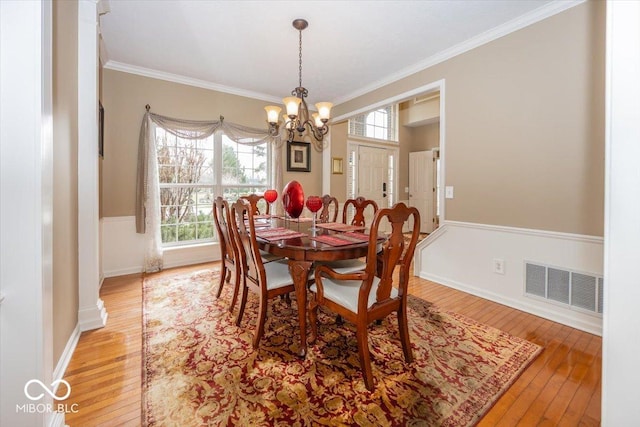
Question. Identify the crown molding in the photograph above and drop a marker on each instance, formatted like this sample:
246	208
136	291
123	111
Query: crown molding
523	21
509	27
176	78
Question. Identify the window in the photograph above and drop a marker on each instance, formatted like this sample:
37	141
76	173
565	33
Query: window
192	172
377	124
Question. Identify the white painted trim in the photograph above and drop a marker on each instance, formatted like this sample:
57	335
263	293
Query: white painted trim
91	311
460	254
176	78
432	237
326	166
620	345
442	148
528	231
26	170
57	420
67	353
546	11
430	87
93	317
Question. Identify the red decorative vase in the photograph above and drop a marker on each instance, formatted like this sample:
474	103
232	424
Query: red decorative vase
293	198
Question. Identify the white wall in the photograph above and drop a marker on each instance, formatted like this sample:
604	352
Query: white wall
123	249
26	176
621	346
460	255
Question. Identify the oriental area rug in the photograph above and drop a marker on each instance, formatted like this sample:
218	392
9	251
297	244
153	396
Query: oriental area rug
199	369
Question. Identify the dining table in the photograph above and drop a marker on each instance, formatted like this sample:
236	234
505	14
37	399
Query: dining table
303	246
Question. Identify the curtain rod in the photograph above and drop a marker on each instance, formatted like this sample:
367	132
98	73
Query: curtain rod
148	107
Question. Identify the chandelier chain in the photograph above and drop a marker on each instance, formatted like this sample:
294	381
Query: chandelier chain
300	58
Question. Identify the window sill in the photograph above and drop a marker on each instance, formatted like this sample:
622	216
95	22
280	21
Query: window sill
190	247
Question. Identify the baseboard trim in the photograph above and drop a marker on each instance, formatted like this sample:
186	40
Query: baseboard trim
56	419
92	318
192	261
592	328
67	353
123	271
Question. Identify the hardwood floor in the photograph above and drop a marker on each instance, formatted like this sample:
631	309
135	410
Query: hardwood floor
562	387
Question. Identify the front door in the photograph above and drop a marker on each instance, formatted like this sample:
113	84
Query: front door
373	177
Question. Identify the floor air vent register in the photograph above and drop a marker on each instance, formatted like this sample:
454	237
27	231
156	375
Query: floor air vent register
578	290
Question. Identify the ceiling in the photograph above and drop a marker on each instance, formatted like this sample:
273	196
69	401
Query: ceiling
350	47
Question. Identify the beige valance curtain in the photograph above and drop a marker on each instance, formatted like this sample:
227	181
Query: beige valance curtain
147	188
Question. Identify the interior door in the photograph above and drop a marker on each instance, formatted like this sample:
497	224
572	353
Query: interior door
422	191
373	174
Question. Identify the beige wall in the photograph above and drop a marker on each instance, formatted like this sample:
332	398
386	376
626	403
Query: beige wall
65	173
124	97
524	125
339	149
425	137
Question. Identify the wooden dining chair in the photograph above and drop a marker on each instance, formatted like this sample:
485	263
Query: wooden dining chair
268	280
254	200
366	296
326	214
360	205
228	248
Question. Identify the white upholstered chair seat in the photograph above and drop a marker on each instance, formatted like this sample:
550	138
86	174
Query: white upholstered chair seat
278	274
345	292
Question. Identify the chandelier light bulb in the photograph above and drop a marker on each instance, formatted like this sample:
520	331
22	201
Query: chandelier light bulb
272	113
292	103
317	120
324	110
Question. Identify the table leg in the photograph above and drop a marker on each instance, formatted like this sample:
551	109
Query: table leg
299	271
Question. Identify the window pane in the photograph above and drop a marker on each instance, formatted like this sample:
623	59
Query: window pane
188	171
378	124
243	164
168	233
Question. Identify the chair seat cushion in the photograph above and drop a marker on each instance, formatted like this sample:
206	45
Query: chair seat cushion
278	274
345	266
345	292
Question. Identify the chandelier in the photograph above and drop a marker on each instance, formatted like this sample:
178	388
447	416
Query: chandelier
297	117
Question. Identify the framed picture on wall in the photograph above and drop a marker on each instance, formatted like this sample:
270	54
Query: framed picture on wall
336	165
298	156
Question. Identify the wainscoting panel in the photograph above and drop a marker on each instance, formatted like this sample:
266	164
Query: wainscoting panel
123	249
464	256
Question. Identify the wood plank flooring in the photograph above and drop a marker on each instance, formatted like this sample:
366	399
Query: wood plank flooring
562	387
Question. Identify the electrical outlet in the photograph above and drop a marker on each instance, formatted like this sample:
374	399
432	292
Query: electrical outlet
498	265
